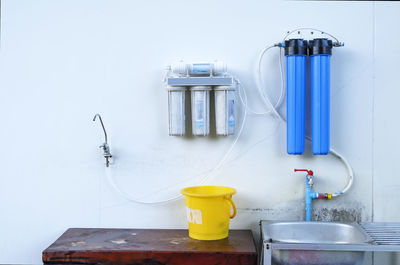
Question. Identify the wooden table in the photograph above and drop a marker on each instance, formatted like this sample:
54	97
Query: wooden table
150	247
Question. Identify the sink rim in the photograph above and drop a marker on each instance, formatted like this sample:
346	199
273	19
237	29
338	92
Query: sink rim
266	236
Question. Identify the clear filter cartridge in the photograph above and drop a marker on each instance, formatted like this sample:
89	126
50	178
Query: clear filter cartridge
224	110
200	101
296	53
320	51
176	110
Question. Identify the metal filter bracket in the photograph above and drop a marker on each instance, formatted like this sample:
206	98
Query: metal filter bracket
200	81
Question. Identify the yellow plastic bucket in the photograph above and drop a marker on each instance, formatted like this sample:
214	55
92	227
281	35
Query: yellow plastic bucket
208	210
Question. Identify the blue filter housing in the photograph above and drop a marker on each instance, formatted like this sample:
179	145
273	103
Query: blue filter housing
296	53
320	51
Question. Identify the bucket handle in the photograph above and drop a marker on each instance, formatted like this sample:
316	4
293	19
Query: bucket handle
233	207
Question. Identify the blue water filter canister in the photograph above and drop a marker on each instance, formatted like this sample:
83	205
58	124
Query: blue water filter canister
296	52
320	51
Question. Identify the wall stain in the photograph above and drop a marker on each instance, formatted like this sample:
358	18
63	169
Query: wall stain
337	215
343	212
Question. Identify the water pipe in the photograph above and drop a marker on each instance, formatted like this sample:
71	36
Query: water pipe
310	195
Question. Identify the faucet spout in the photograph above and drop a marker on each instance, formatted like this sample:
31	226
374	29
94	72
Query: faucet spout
106	148
102	125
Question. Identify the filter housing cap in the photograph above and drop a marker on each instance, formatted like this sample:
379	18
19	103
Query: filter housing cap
320	46
296	47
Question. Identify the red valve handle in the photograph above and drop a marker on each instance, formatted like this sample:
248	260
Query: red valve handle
309	172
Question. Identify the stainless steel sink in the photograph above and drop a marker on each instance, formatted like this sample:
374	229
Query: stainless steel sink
315	234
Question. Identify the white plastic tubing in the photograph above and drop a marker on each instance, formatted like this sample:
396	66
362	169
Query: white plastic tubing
271	109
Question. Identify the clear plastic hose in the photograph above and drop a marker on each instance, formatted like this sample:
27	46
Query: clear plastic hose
220	164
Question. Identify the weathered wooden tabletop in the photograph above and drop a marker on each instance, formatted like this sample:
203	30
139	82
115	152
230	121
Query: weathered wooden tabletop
150	247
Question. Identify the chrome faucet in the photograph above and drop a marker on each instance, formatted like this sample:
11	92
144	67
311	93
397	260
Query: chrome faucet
106	148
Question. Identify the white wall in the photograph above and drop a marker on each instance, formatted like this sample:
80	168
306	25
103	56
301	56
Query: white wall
63	61
386	183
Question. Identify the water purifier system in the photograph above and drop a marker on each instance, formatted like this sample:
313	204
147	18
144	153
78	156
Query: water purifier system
196	89
201	80
296	51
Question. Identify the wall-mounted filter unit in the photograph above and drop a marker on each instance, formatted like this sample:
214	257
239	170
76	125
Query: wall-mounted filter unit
296	53
201	79
320	51
176	110
224	110
200	100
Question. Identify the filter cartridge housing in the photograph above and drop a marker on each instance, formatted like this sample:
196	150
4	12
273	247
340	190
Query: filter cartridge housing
176	110
200	101
224	110
296	53
320	51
